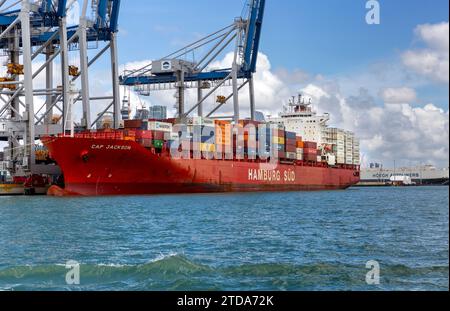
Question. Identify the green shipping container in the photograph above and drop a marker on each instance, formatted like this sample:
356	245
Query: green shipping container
158	144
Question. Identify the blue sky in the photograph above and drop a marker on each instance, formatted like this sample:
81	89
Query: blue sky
324	36
327	37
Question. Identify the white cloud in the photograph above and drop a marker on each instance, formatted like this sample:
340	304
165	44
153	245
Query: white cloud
315	92
399	95
393	131
433	61
435	35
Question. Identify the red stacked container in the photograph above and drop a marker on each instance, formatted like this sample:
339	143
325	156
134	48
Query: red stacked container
140	134
310	145
145	138
133	124
310	151
158	135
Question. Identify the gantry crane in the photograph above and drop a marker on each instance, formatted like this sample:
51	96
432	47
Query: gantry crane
30	31
174	72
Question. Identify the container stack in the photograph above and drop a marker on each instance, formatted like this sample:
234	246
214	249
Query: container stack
356	152
349	148
340	144
223	136
161	132
291	145
145	138
200	121
134	124
278	143
218	138
251	144
310	151
300	146
250	130
204	137
158	126
150	134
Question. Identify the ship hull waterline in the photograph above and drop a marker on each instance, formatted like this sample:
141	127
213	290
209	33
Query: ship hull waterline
103	167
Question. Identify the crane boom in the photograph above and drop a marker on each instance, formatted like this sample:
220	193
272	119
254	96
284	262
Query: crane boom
254	35
178	73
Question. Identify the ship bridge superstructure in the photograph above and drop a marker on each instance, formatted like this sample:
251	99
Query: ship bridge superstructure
299	116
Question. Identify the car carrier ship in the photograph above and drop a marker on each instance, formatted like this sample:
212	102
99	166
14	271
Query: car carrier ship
422	175
224	157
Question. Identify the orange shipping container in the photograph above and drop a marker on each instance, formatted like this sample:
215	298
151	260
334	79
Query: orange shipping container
222	123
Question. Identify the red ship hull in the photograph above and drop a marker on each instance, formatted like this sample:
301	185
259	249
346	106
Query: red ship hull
94	167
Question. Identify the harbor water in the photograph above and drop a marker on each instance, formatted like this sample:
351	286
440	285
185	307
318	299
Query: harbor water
260	241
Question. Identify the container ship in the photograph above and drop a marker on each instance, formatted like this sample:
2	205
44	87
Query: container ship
376	174
211	156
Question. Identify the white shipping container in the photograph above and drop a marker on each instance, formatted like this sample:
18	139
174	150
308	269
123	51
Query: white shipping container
203	121
340	161
160	126
171	136
291	155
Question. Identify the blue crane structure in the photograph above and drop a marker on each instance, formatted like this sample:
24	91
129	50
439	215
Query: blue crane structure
48	15
31	30
172	70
